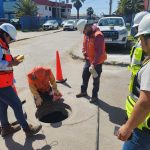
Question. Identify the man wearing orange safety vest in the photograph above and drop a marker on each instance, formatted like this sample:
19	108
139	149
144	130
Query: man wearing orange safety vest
43	85
94	54
8	97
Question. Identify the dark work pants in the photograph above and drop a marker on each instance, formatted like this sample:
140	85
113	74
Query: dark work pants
8	97
86	76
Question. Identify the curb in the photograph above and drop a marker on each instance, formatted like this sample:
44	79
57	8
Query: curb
37	36
113	63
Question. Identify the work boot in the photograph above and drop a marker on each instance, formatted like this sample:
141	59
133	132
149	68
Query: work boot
93	100
32	130
9	129
84	94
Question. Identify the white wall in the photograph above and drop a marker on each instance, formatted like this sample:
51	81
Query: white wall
43	12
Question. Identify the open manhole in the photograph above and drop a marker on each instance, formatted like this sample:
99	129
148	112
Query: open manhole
53	113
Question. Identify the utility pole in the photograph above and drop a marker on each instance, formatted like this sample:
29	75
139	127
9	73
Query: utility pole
110	7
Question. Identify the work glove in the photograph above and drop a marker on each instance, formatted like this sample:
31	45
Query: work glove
38	101
57	95
93	71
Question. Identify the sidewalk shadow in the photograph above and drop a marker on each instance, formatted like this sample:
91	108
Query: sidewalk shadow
116	115
13	145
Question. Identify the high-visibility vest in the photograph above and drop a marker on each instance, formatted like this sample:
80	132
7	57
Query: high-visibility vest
137	57
133	98
90	48
6	75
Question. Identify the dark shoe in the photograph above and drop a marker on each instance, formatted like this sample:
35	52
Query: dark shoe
93	100
81	95
32	130
9	129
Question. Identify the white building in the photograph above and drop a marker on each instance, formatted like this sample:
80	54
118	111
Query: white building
46	8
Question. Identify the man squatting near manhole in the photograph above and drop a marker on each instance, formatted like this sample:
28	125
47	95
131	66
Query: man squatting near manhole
94	54
43	85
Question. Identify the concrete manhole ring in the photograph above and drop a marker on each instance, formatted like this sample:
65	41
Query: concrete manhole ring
53	113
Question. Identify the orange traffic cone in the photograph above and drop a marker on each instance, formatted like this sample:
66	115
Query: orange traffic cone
59	76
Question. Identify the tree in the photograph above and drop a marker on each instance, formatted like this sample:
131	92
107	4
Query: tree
26	7
77	4
126	7
90	12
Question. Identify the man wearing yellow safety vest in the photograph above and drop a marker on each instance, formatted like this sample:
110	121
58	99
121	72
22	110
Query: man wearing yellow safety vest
138	102
136	54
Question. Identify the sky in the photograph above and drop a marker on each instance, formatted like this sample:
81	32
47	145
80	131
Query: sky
99	6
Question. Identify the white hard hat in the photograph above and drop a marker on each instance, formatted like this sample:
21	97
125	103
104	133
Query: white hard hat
81	25
138	17
10	29
144	26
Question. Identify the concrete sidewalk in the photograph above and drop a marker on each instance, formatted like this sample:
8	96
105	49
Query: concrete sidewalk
27	35
112	59
89	126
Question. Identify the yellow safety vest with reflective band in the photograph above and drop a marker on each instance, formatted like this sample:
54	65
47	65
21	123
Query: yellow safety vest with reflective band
137	57
133	98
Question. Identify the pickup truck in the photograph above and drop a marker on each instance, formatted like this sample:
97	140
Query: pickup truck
114	30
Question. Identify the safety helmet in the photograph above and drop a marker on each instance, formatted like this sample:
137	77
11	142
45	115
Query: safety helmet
81	25
144	26
138	17
10	29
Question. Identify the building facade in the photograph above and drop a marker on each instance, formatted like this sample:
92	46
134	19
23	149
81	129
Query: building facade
46	8
53	9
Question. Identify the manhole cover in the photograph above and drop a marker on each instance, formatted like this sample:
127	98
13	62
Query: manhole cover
53	113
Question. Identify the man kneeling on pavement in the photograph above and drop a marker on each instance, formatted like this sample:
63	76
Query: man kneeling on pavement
43	85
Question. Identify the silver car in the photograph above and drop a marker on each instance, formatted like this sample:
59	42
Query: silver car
70	25
50	24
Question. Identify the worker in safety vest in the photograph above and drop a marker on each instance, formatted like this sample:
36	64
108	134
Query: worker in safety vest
8	97
94	54
138	102
43	85
136	54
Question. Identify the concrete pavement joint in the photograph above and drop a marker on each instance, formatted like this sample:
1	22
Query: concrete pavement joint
98	125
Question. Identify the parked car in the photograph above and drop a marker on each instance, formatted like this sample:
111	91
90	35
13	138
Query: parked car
16	23
70	25
62	24
50	24
114	30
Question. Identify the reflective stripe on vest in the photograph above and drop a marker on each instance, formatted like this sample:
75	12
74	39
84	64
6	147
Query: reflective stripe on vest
132	99
8	57
6	75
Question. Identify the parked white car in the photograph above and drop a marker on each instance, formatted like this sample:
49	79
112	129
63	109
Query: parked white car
50	24
70	25
114	30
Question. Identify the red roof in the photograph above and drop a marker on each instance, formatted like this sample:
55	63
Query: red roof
52	4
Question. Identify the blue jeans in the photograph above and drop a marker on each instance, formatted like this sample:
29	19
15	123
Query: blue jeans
86	76
9	98
140	141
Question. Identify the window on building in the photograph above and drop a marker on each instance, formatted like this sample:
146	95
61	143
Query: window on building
45	7
62	10
50	8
